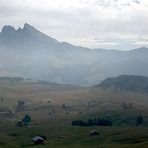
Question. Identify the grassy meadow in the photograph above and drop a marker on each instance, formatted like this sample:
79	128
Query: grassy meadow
53	107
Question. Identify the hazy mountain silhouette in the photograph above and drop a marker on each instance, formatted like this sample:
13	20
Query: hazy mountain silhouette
30	53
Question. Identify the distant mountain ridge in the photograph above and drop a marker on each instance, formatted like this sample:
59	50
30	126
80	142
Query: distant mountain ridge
27	52
26	35
132	83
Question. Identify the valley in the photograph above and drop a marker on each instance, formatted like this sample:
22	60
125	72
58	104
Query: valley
53	107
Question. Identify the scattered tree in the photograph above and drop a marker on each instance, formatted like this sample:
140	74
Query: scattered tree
139	120
20	106
26	120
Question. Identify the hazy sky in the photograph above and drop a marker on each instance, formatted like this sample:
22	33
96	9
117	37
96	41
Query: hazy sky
118	24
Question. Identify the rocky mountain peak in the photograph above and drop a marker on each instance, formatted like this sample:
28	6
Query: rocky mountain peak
7	29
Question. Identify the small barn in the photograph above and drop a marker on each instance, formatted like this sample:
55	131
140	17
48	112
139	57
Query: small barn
93	133
19	124
39	139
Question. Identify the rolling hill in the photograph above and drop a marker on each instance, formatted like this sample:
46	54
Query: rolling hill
126	83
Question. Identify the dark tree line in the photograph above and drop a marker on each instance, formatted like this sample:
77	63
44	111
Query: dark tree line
92	122
126	83
12	78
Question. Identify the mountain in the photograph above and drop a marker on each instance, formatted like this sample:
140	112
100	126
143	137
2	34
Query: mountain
27	52
126	83
9	33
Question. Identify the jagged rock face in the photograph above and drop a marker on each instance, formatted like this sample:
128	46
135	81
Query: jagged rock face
8	30
7	33
21	37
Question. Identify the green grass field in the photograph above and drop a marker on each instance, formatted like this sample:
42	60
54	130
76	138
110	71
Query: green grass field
76	137
44	103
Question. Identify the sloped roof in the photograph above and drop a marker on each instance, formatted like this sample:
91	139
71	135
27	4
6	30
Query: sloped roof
36	138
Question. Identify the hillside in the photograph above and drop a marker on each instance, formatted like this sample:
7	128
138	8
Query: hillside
53	107
27	52
126	83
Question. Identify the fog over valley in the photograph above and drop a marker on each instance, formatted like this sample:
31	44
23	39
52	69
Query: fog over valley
27	52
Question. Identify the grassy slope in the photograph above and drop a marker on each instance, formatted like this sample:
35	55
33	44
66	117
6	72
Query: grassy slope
78	137
102	104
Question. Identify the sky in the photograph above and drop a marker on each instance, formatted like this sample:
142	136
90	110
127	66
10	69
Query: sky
109	24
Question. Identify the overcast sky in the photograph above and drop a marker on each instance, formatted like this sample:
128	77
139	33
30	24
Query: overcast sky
110	24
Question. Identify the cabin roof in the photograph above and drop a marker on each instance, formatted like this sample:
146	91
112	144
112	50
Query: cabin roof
36	138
